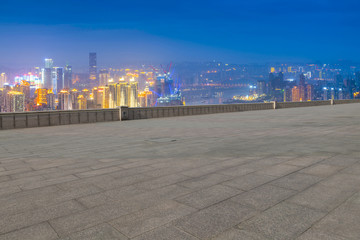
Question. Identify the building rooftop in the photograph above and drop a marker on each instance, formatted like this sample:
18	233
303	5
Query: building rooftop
284	174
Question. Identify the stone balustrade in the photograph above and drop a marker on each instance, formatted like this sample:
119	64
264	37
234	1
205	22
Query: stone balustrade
55	118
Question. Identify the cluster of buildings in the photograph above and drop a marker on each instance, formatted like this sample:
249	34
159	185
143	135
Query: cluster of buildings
58	88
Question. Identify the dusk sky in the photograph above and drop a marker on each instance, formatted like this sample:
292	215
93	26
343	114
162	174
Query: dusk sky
136	31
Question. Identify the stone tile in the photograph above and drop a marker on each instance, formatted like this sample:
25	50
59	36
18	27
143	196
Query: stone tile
47	182
166	233
343	221
17	221
208	196
239	170
8	191
161	182
354	169
237	234
296	181
76	222
263	197
98	172
341	160
103	232
346	182
41	231
100	198
313	234
306	160
283	221
321	170
249	181
204	181
211	221
140	222
279	170
321	197
124	181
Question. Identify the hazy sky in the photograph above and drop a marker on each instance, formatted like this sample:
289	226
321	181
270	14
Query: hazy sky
134	31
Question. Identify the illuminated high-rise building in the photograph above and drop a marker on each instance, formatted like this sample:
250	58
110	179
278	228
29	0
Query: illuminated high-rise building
81	102
93	69
59	76
122	94
86	93
112	95
3	79
64	100
133	94
105	97
74	93
41	94
309	92
295	93
47	74
67	77
103	77
15	101
50	99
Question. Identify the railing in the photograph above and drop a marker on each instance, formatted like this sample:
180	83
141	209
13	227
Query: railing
55	118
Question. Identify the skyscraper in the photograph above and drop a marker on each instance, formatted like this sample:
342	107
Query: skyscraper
59	79
3	79
47	74
67	77
92	69
15	101
103	77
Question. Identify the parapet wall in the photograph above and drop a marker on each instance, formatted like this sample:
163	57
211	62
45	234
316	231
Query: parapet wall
55	118
280	105
175	111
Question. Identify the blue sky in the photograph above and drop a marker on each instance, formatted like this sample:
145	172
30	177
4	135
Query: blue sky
157	31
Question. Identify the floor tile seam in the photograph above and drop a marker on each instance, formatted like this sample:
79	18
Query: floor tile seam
52	227
22	228
259	213
51	205
327	213
163	224
199	209
40	181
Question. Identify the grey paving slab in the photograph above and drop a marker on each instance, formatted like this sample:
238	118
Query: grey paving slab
41	231
17	221
322	197
208	196
148	219
343	221
283	221
296	181
249	181
313	234
284	169
263	197
322	170
211	221
166	233
236	234
100	232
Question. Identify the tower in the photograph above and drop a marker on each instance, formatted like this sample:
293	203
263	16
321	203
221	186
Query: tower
67	77
92	69
47	74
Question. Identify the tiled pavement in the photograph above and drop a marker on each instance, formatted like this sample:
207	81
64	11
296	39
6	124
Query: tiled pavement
284	174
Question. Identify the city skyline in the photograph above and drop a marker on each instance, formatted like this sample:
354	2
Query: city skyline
137	31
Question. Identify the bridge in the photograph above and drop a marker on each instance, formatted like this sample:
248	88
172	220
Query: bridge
289	173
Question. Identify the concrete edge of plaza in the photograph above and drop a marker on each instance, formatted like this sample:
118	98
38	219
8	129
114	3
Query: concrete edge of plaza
55	118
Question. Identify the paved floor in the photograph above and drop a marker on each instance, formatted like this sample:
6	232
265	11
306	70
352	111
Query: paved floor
276	174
